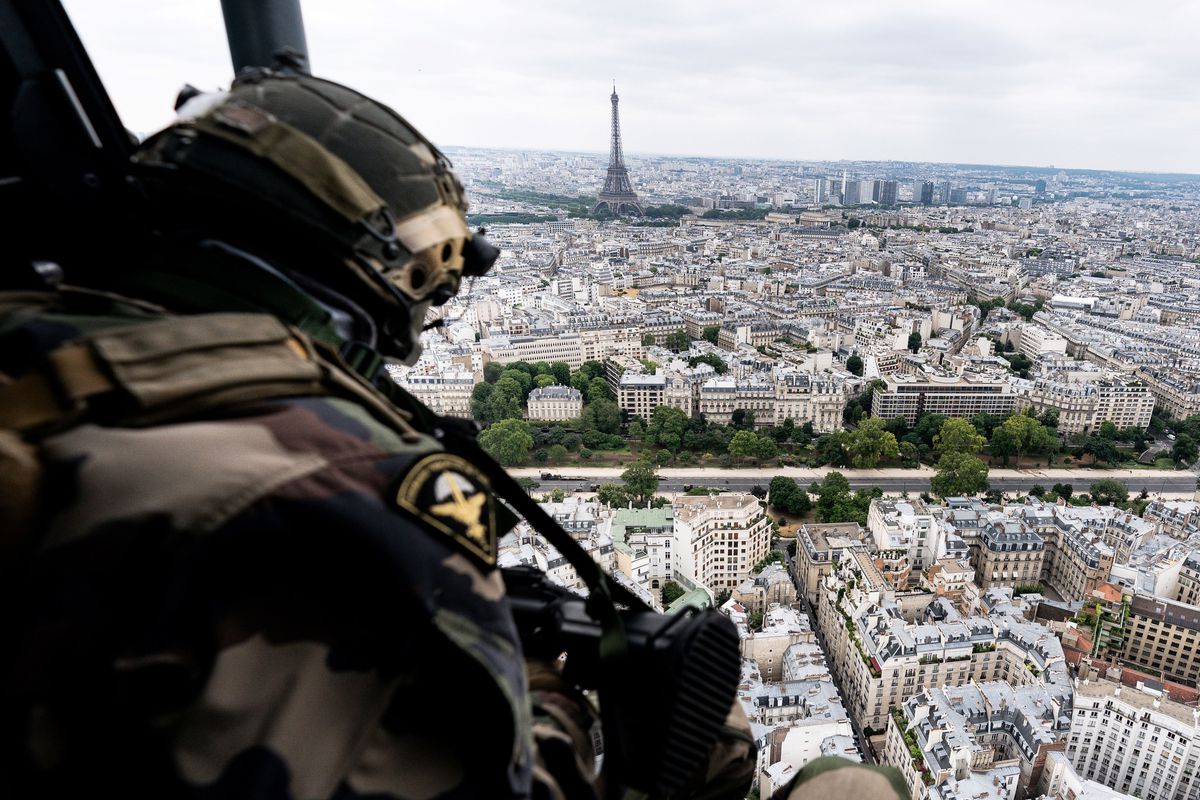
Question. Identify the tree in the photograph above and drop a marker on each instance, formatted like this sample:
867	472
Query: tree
523	379
597	390
671	592
1185	450
1109	492
871	443
830	448
743	445
557	495
1101	449
712	359
641	481
479	401
1063	490
928	427
666	427
602	415
788	497
958	436
828	491
765	448
503	405
542	381
678	341
710	333
492	372
612	495
914	341
742	419
648	340
1108	430
1028	435
854	365
508	441
1004	444
985	423
561	372
557	452
958	474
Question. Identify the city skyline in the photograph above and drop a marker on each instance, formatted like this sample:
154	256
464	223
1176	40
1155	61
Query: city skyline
1073	86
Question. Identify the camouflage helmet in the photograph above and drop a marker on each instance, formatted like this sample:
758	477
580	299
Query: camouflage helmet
318	164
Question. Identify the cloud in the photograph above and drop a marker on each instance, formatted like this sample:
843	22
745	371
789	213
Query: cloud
1086	84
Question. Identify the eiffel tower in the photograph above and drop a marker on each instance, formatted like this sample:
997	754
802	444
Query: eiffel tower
617	194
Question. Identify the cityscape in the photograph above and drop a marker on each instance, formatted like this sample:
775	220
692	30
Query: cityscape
926	433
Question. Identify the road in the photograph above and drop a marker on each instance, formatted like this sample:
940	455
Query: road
891	481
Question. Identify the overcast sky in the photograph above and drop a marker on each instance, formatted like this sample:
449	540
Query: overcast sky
1106	85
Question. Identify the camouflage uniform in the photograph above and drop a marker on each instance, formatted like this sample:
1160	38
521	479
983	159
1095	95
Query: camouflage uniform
232	602
261	597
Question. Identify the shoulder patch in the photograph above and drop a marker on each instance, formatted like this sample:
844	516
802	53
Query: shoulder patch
452	497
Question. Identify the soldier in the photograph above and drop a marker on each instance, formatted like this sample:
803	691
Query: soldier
239	562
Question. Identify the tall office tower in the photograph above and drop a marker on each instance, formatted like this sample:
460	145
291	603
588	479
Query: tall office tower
843	186
991	196
850	192
944	194
866	191
820	190
1040	186
617	194
923	192
887	193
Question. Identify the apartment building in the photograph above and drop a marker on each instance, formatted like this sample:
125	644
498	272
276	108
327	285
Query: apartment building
805	397
1007	553
909	397
819	549
554	403
447	392
772	586
639	394
1135	740
881	659
719	397
985	741
1084	407
1060	781
1163	636
719	539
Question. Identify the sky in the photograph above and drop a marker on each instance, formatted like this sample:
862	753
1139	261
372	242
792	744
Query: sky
1099	84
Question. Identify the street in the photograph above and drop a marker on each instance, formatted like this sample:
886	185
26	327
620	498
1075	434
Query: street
892	481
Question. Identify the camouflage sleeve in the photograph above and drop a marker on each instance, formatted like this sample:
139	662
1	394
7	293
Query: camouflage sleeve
564	757
729	771
832	778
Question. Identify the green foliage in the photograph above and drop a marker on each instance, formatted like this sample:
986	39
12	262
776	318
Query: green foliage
1024	434
542	381
641	482
1063	490
671	592
773	557
670	211
788	497
914	341
854	365
677	341
959	474
1185	450
739	214
712	359
871	443
1110	492
666	428
1101	448
835	502
508	441
613	495
602	415
958	436
710	333
489	220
